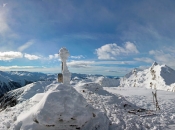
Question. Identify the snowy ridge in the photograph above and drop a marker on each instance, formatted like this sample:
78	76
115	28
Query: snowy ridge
160	77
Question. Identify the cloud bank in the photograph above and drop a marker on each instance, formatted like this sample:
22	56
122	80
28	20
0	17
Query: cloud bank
55	56
7	56
31	57
111	51
77	57
80	64
163	57
144	59
11	55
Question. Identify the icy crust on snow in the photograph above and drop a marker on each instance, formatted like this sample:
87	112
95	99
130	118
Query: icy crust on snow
62	107
160	77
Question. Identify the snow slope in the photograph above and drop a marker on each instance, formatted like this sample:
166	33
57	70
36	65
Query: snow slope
111	106
160	77
93	103
142	97
50	105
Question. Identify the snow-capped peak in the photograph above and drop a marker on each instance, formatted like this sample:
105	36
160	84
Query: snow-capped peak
155	63
157	76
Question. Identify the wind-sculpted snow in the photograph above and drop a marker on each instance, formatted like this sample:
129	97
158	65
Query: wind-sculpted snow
115	106
142	97
49	105
62	108
111	101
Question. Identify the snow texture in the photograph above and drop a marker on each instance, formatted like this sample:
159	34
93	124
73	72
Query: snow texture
61	107
95	103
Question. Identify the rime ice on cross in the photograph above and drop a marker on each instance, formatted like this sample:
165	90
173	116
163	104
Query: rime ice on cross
64	54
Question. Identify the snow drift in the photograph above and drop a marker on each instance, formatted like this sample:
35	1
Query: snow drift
62	107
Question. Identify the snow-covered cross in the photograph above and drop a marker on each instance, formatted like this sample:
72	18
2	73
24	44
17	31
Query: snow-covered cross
64	54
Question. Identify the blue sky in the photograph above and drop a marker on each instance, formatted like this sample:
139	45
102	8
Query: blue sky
103	37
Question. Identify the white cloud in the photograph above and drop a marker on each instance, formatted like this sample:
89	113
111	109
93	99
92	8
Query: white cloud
80	64
7	56
31	57
4	4
130	48
51	56
111	51
112	71
55	56
152	52
4	28
26	45
77	57
16	67
114	62
144	59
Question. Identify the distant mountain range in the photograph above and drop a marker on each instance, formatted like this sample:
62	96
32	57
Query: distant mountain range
10	80
159	77
16	79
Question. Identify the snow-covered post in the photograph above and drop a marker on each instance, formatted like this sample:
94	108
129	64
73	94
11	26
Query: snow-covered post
64	54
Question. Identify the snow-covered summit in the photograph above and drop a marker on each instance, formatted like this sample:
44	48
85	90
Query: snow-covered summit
49	105
157	76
